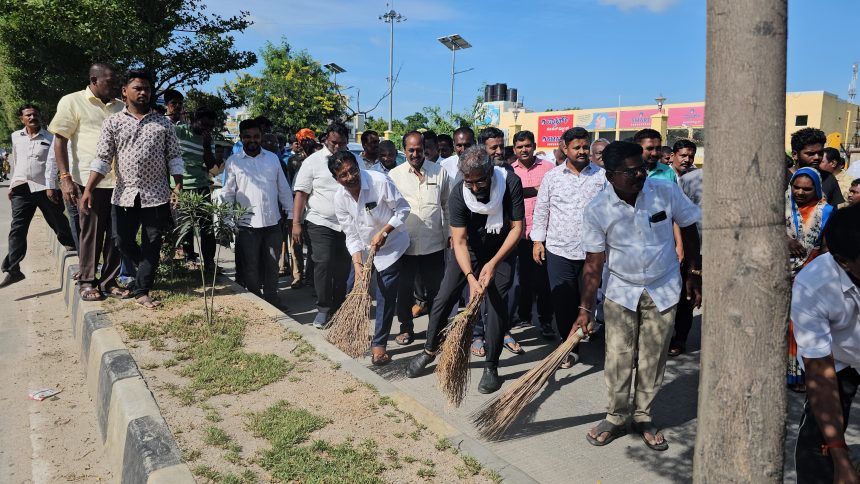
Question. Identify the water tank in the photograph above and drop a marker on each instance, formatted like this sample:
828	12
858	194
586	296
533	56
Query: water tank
503	92
512	95
488	93
494	92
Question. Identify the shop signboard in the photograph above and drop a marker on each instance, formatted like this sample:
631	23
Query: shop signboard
688	116
596	121
550	128
636	118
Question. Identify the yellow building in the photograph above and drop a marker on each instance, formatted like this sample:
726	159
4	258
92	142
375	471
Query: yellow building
819	109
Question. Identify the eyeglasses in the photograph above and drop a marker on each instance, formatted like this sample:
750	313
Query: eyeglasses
633	172
354	171
479	183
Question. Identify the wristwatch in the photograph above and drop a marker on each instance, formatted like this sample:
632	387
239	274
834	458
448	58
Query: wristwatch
695	272
384	234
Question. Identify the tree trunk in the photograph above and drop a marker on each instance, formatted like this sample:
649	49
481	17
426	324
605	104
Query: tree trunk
742	400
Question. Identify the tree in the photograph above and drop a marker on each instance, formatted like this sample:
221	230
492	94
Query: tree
196	99
293	90
175	40
746	283
416	121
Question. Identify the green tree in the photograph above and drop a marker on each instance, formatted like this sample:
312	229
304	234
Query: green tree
196	99
293	90
46	46
416	121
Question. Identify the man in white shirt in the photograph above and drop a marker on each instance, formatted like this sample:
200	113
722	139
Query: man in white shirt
631	221
825	310
557	230
256	181
315	189
372	214
464	138
387	157
30	189
426	188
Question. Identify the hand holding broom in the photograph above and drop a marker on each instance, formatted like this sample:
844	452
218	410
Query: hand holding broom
348	328
496	416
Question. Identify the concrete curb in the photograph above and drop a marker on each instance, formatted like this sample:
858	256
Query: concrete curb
434	422
138	443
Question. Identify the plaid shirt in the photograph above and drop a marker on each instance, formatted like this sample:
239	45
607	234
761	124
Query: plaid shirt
144	152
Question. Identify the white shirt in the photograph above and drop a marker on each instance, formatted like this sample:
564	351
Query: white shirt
427	224
825	310
258	183
641	253
315	179
561	202
379	203
28	162
451	165
854	170
378	166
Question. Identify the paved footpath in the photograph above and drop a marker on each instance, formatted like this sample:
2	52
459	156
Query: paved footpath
548	443
55	440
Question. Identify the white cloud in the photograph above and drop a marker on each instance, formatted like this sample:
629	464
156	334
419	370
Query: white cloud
652	5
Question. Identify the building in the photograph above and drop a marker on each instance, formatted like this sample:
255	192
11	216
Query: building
819	109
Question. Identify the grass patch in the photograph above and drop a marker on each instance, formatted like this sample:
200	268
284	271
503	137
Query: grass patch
493	475
149	366
471	467
286	427
443	444
426	473
169	363
190	455
216	437
386	401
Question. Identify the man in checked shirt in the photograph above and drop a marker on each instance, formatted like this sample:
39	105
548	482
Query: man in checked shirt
146	151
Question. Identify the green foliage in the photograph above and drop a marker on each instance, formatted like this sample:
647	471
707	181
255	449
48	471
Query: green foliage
293	90
46	46
195	214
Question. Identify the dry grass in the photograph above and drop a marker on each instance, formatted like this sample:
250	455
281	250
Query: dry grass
349	326
452	371
495	417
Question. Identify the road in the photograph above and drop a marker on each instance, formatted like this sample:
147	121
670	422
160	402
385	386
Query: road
56	439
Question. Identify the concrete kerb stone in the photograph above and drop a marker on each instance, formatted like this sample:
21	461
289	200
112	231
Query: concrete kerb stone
138	442
435	423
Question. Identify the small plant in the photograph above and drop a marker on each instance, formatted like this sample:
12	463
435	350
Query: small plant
196	214
216	437
443	444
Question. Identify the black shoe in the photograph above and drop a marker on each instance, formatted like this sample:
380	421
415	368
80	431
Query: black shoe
12	278
418	363
490	381
546	331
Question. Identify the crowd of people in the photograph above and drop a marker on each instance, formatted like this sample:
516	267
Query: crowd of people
595	234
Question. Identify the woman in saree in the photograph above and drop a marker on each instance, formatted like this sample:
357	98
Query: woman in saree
806	214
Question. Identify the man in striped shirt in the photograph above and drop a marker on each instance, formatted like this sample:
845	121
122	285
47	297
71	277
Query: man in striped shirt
196	143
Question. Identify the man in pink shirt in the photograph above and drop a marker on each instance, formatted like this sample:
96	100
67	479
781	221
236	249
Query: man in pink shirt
534	283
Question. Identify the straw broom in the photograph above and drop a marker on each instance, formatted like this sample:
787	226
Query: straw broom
348	328
452	371
495	417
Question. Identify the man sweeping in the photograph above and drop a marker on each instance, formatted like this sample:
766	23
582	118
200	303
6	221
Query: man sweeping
487	212
631	221
372	214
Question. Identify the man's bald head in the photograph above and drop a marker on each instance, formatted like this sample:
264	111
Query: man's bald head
104	83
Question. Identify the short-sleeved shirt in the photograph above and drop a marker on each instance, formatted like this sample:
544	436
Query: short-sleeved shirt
825	312
315	179
691	184
196	174
480	242
531	177
79	119
640	241
29	160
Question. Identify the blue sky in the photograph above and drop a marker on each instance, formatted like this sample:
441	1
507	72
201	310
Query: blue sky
558	54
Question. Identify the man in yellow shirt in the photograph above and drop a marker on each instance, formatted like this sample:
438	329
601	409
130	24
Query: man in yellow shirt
76	127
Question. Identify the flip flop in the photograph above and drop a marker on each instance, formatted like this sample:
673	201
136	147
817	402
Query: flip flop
512	346
404	339
149	303
605	426
478	347
119	293
90	294
379	360
648	428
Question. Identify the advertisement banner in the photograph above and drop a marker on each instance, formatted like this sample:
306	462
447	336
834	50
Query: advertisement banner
596	121
636	119
491	116
689	116
550	128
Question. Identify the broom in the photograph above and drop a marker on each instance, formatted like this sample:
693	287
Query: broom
348	327
452	371
495	417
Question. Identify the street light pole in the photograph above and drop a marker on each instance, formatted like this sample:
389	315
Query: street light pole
390	17
454	43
